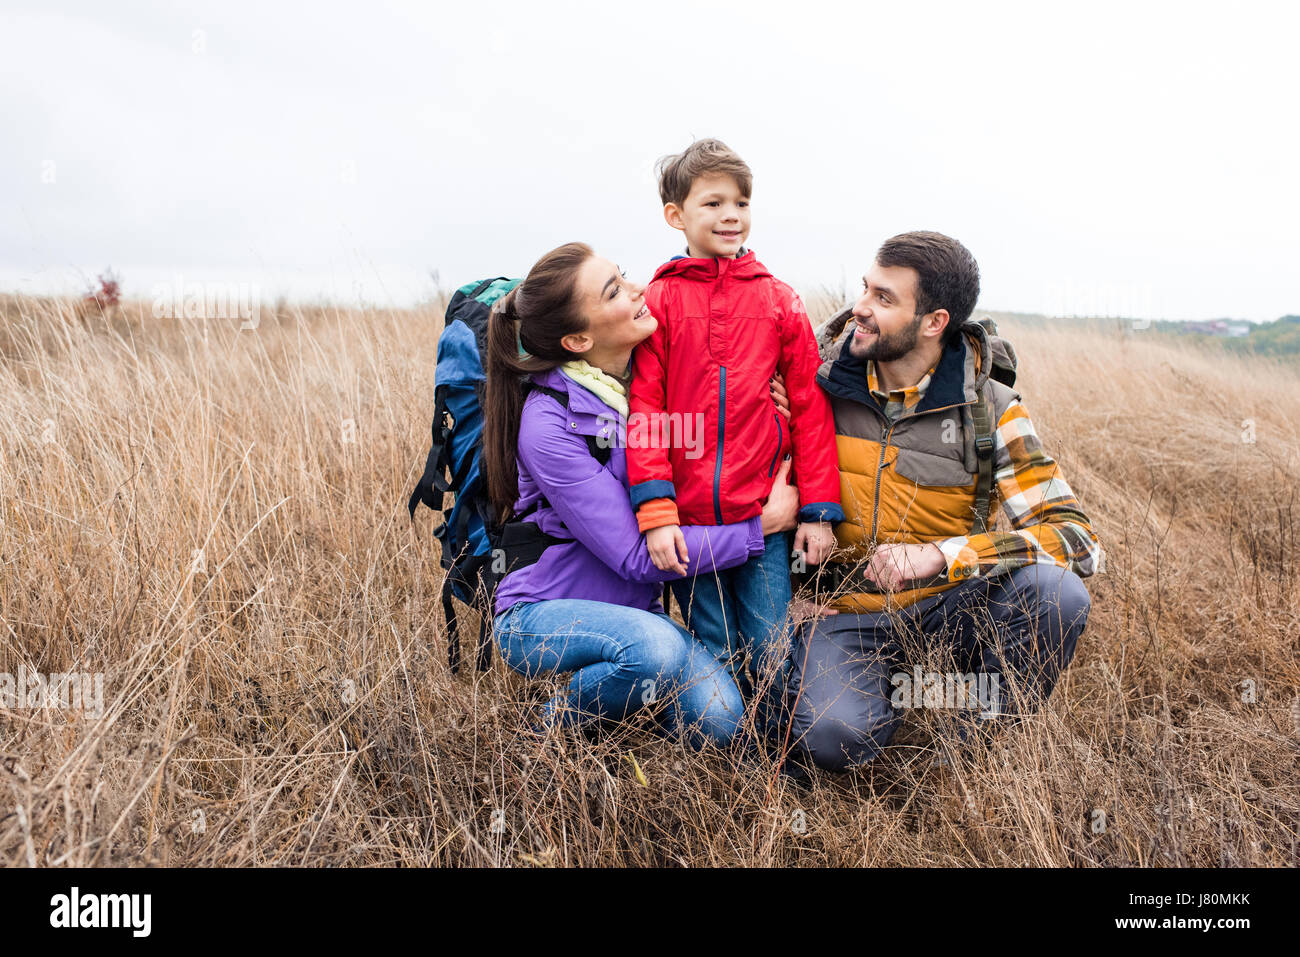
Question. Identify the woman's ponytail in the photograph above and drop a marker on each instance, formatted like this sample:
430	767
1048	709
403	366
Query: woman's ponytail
523	337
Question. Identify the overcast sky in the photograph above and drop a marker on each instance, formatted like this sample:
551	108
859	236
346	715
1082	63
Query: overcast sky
1126	158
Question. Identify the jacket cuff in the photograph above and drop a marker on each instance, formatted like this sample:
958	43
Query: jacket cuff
757	544
821	512
657	513
643	492
963	561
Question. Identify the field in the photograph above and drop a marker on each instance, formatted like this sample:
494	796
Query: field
214	519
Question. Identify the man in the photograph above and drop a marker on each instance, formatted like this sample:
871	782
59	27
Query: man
916	409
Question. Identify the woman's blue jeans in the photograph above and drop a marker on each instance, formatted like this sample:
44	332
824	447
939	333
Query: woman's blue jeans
622	659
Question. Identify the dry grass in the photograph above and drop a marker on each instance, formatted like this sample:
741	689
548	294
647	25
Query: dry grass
184	512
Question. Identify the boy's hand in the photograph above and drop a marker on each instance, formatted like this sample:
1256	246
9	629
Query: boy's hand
666	543
801	610
815	540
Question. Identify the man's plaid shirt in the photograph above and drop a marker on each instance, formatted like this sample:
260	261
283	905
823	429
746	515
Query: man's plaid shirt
1048	525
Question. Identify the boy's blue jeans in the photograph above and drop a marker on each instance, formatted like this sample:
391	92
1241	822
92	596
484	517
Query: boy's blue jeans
622	659
739	613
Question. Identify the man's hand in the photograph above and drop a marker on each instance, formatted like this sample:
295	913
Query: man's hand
891	565
815	540
666	543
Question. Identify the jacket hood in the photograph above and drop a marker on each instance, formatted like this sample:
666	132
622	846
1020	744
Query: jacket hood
709	269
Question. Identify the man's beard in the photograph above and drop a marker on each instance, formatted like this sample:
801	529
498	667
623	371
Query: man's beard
887	348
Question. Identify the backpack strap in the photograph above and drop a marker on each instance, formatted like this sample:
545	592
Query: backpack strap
484	641
982	420
598	452
474	573
453	631
483	287
433	482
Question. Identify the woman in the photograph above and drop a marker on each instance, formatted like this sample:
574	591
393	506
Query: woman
559	348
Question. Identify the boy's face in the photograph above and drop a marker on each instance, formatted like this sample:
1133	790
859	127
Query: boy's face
714	216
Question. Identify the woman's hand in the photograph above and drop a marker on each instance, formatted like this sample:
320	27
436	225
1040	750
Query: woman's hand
780	396
782	506
667	545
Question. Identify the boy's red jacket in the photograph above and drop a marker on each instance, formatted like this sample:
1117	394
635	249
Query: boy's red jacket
725	326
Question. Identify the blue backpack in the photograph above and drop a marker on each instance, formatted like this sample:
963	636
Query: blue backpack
455	460
477	550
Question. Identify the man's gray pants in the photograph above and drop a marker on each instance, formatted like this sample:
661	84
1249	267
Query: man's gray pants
853	675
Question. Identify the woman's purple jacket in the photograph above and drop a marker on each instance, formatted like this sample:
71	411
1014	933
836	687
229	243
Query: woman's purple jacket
590	503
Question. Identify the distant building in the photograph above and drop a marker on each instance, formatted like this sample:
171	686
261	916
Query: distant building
1218	327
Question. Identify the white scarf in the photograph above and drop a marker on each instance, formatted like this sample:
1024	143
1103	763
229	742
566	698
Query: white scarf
599	383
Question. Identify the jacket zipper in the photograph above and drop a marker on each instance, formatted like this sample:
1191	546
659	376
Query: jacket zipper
780	436
875	502
717	465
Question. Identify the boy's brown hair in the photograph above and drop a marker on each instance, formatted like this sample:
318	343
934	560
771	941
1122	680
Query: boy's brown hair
678	172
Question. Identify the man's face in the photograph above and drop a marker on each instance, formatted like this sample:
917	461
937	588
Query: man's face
885	319
714	216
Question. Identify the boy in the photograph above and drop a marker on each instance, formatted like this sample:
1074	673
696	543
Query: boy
726	326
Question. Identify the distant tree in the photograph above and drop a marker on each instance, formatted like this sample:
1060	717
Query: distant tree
108	293
1281	337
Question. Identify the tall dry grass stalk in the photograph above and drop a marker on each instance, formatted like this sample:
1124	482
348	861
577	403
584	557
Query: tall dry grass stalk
215	520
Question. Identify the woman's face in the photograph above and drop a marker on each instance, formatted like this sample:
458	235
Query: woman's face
615	307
